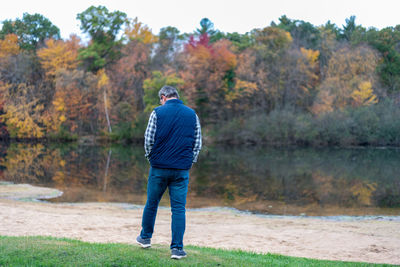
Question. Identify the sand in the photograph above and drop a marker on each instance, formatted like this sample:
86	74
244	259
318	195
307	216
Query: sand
367	240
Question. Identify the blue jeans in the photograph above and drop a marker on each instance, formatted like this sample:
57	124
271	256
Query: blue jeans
177	182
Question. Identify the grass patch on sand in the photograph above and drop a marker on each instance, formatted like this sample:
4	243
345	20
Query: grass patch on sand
49	251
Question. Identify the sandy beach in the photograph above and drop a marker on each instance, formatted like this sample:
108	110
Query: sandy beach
374	241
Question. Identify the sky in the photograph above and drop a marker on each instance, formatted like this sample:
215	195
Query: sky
227	15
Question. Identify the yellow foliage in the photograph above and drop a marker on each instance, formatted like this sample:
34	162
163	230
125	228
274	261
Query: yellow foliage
241	89
347	71
62	118
22	115
310	54
136	30
274	38
62	163
9	46
59	55
59	103
103	78
363	192
364	95
289	37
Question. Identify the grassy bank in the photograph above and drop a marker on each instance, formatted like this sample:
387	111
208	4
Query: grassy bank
47	251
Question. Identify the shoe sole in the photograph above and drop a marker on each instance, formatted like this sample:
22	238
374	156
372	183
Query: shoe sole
143	245
176	257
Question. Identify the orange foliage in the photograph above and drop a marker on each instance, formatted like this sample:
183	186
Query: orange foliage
9	46
75	102
223	56
205	69
127	76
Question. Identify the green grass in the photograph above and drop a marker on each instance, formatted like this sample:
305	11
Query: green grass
48	251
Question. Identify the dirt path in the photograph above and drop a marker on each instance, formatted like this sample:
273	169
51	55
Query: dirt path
366	240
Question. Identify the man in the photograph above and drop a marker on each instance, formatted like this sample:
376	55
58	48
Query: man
172	145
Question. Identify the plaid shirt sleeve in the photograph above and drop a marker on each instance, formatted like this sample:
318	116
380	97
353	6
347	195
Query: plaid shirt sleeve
150	134
197	140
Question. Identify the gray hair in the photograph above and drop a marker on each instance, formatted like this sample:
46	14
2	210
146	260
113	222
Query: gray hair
168	91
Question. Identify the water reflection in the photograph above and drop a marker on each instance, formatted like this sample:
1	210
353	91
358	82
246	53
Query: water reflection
266	180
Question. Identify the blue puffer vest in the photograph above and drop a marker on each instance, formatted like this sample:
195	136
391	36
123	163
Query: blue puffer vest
174	139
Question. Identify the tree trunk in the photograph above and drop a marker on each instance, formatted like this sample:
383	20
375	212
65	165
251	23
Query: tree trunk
106	110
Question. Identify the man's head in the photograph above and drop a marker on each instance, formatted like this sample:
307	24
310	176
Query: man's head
167	92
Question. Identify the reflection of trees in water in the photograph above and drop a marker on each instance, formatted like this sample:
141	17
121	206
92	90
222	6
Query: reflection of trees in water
65	166
29	163
344	177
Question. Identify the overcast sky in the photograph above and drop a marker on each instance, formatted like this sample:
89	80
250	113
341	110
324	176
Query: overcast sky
227	15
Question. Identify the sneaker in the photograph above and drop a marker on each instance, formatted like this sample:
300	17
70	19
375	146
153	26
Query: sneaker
145	243
178	253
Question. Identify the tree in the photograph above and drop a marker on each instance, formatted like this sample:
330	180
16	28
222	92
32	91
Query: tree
22	113
77	105
9	46
166	48
59	55
209	74
364	95
128	73
101	24
304	34
386	41
265	64
32	30
206	27
135	30
241	41
103	27
153	85
349	28
349	79
103	84
327	45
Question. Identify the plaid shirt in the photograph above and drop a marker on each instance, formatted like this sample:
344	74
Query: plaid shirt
150	134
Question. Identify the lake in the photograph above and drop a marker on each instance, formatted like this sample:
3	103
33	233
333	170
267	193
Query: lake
265	180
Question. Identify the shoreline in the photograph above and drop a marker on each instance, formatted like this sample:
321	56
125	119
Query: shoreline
367	240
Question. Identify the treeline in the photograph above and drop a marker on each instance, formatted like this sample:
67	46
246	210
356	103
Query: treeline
288	83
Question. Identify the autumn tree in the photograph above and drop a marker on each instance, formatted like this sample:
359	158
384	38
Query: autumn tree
126	81
284	73
349	79
9	46
22	112
59	54
136	30
77	105
21	67
103	84
204	73
211	84
153	85
327	45
262	64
